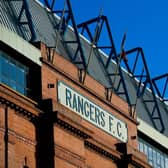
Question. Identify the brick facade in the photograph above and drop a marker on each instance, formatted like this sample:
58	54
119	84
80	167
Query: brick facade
47	134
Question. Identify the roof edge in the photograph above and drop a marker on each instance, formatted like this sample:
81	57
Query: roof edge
19	44
152	133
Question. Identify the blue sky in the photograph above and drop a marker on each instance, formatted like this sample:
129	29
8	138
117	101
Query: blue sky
145	22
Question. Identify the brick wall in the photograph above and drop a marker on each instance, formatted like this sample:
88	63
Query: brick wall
50	135
72	150
17	131
21	140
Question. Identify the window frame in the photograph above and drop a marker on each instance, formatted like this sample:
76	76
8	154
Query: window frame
12	80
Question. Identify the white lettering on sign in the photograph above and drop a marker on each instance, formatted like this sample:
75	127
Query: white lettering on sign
92	112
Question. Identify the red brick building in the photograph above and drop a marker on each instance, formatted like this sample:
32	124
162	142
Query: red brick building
50	134
49	117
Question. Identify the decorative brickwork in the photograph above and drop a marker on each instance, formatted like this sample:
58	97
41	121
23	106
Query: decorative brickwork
13	136
70	157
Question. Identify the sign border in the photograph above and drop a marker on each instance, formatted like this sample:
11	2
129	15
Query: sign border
58	83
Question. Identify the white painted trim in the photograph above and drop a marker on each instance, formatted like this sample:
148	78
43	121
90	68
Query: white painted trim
19	44
152	133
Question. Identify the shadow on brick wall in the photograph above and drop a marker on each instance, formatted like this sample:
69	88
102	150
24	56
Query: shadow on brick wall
45	137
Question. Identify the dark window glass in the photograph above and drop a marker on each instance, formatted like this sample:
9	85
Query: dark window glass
156	157
13	73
